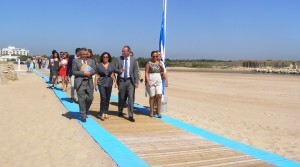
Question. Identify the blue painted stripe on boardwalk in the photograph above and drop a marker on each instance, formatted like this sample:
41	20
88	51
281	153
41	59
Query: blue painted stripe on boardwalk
121	154
254	152
243	148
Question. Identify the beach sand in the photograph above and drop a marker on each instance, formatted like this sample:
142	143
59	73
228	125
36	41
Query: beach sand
260	110
35	130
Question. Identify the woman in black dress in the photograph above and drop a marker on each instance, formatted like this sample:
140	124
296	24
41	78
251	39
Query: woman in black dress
54	67
105	79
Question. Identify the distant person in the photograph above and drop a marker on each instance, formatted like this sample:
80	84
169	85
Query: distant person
60	58
164	74
104	80
39	61
127	81
63	64
43	62
138	66
83	69
28	64
71	75
153	81
49	65
91	56
47	60
31	65
54	67
34	62
61	54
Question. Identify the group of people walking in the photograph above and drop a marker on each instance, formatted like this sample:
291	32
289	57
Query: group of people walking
32	63
87	75
58	68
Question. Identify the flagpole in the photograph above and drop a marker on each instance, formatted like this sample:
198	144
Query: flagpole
165	26
162	48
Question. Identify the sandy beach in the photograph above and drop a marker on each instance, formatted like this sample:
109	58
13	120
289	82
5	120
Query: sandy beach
260	110
35	130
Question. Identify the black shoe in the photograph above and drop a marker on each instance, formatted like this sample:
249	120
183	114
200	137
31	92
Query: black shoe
98	115
120	114
131	119
159	116
83	119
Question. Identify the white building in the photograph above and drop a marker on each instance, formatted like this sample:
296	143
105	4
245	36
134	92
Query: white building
13	51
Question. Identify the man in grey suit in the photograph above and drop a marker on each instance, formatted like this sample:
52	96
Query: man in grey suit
127	81
83	81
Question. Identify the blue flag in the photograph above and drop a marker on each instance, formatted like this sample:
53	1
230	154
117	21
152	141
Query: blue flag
162	37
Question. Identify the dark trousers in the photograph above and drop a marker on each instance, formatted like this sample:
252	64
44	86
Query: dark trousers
105	93
126	96
85	97
126	87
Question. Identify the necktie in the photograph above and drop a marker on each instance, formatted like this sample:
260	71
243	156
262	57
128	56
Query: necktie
84	62
125	70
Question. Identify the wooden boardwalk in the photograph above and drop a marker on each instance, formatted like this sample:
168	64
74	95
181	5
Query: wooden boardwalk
161	144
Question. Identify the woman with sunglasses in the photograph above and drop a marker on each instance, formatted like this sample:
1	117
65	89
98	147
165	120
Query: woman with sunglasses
153	83
63	70
54	67
105	79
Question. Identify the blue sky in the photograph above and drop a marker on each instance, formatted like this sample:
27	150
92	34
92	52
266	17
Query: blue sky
196	29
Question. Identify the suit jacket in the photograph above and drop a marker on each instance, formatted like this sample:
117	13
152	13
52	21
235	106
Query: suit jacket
133	69
79	75
69	68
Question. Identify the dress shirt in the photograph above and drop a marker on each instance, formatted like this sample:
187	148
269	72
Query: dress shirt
128	67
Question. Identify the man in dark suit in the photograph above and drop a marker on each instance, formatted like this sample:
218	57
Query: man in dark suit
83	69
127	81
71	76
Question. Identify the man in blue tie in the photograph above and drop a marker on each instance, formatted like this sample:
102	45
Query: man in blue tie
127	81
